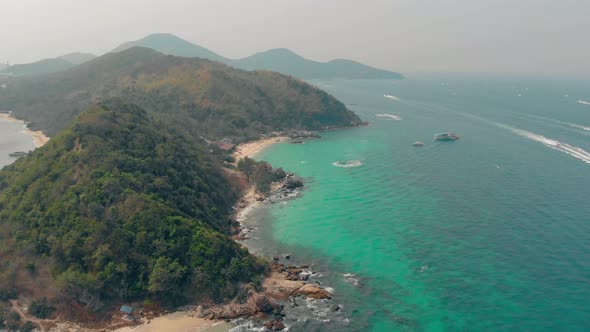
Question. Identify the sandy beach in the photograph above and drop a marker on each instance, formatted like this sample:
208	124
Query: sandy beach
39	139
251	149
179	322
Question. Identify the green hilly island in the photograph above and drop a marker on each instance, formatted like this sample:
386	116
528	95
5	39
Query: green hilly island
127	201
201	97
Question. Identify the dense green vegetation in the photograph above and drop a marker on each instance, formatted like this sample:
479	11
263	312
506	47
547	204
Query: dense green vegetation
199	97
280	60
260	173
120	207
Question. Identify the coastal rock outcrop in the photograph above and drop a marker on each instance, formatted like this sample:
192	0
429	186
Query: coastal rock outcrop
313	291
280	286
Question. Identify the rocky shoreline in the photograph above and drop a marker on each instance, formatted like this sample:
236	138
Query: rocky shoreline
285	283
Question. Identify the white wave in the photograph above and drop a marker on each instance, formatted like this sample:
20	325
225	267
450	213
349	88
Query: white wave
391	97
351	278
390	116
348	164
571	150
583	102
579	126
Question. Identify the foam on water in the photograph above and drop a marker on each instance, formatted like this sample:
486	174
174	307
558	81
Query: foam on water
348	164
391	97
571	150
389	116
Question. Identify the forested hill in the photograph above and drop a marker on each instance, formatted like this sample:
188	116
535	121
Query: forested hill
118	207
201	97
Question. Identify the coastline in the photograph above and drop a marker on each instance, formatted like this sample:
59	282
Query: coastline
250	199
251	149
38	137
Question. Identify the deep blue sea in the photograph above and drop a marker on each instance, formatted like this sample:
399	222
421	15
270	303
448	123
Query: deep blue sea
487	233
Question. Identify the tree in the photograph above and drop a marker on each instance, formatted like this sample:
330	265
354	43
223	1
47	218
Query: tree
166	276
247	166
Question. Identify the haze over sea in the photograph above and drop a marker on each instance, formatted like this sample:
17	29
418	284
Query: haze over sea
488	233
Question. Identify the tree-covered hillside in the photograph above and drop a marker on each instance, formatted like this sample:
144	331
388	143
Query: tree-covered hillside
201	97
119	207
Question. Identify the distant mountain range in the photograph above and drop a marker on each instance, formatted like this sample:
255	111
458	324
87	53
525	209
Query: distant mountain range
280	60
47	66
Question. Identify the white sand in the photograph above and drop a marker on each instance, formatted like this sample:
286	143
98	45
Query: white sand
251	149
179	322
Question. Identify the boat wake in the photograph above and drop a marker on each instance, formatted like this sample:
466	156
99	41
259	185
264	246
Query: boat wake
348	164
583	102
563	123
571	150
579	126
389	116
391	97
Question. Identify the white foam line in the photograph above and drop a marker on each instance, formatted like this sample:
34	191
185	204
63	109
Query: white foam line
563	123
391	97
571	150
583	102
579	127
390	116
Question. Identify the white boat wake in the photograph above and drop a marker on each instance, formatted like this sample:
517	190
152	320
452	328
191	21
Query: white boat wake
571	150
390	116
563	123
391	97
580	127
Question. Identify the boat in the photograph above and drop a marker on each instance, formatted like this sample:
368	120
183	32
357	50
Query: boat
446	137
418	144
18	154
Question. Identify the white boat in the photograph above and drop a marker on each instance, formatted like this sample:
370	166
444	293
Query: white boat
418	144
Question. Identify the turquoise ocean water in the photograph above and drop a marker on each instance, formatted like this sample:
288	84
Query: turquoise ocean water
488	233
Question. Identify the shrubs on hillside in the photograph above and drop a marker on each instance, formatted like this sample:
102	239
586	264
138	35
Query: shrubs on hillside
260	173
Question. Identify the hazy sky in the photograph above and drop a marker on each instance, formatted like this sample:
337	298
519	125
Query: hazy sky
502	36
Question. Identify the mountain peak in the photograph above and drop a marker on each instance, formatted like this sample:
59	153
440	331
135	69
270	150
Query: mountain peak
170	44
